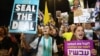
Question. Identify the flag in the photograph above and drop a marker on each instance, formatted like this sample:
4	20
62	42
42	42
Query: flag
46	15
96	9
87	6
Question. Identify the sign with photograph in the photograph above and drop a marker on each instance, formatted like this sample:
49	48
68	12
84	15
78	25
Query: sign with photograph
78	48
84	16
24	16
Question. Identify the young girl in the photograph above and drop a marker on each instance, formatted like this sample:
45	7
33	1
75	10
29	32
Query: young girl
80	35
46	45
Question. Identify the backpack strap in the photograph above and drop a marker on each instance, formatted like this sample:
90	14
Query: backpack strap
33	52
52	41
38	43
52	45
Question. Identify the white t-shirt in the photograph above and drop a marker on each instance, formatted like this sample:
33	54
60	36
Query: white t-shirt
40	47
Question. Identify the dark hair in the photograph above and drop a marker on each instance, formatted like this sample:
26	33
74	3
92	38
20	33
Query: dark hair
69	29
48	26
74	37
5	30
39	31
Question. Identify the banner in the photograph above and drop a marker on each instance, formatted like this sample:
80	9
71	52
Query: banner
24	16
78	48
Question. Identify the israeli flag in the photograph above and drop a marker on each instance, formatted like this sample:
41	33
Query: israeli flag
97	9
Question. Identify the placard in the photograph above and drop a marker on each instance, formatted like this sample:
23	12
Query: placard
84	16
24	16
78	48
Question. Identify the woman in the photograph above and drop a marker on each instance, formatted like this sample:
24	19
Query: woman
26	39
59	40
68	32
80	35
5	43
45	47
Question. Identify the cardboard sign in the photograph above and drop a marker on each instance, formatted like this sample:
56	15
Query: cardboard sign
78	48
24	16
84	16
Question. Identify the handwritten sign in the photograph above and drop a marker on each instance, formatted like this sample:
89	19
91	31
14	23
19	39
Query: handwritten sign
85	17
78	48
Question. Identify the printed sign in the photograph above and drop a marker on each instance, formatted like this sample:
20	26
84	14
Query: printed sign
78	48
24	16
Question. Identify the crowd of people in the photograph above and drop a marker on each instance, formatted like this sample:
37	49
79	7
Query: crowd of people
49	39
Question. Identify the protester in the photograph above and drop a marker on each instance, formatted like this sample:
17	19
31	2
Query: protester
5	43
97	40
58	18
26	39
46	45
80	35
69	33
59	40
76	5
15	44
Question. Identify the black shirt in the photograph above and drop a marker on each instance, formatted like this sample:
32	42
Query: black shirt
6	43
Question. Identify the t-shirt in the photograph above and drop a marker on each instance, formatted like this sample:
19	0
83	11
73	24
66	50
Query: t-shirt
67	36
6	43
46	40
40	47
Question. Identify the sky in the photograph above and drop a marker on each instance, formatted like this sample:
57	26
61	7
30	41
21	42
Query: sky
63	5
